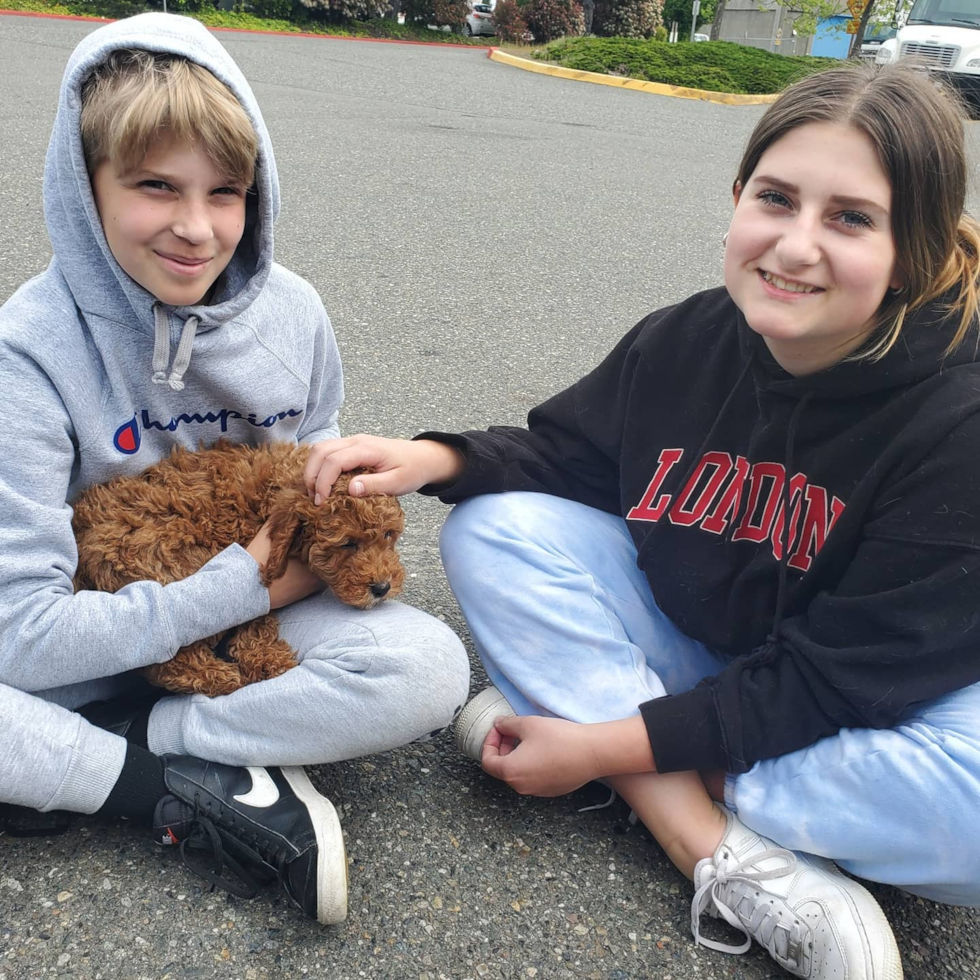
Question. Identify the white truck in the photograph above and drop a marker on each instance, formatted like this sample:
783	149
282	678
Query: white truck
942	36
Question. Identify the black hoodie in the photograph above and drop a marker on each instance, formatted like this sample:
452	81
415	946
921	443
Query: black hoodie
866	602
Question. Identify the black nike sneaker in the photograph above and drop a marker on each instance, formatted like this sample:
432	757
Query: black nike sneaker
242	827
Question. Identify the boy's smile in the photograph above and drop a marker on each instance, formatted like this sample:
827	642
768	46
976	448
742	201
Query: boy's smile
810	251
173	225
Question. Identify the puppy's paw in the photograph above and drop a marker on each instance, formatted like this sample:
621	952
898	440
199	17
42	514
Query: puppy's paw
195	670
259	652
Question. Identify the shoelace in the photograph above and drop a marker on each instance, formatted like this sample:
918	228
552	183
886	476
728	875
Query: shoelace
783	944
203	836
613	796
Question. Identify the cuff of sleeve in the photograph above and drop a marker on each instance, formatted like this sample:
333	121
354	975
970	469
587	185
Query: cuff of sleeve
95	765
451	493
225	592
684	731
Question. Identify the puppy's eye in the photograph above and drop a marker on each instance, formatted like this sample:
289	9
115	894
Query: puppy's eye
351	544
390	535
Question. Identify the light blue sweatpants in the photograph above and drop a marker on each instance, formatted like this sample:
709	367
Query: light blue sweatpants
367	681
566	625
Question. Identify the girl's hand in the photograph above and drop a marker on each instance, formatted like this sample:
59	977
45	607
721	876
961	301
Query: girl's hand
296	584
541	756
401	465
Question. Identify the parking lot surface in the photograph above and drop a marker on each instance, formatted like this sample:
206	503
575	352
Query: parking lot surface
481	236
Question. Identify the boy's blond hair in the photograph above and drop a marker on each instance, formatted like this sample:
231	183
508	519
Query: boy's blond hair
136	97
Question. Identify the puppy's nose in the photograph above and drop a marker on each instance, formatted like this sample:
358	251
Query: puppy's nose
380	589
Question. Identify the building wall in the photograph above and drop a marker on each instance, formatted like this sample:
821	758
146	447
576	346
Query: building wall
763	25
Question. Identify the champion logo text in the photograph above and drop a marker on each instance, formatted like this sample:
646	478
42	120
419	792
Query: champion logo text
128	436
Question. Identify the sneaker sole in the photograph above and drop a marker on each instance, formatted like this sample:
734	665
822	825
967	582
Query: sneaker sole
476	719
867	911
331	865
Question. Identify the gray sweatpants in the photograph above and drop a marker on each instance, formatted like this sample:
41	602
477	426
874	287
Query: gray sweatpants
367	681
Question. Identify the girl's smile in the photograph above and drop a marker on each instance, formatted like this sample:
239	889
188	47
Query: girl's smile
789	289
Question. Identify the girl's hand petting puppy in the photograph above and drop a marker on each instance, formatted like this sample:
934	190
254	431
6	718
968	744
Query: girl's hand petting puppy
401	465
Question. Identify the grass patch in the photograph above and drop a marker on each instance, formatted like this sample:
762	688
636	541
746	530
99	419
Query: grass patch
248	22
719	66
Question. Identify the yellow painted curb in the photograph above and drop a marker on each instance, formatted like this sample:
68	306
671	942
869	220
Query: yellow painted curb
675	91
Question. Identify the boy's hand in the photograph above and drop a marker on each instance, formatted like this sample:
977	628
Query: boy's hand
296	584
541	756
401	465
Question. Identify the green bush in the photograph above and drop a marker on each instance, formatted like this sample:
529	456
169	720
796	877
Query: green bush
274	9
105	8
719	66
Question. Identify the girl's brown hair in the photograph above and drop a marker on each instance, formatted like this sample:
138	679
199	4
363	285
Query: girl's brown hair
136	97
917	133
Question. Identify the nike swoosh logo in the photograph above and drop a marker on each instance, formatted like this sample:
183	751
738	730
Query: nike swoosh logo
264	791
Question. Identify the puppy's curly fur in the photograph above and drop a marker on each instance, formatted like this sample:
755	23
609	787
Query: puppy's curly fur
168	521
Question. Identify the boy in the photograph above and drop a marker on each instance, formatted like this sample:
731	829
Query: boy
162	320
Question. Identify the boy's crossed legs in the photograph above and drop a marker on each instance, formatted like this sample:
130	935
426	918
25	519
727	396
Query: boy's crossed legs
368	681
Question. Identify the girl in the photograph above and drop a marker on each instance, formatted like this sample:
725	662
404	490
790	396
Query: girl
734	574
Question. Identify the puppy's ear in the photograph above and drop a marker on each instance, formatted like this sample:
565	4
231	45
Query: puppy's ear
284	524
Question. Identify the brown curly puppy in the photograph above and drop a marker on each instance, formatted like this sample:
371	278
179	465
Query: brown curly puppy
167	522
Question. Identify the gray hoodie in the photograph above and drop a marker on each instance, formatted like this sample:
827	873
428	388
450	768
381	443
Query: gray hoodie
97	381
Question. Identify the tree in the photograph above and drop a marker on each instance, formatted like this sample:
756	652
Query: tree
550	19
345	10
626	18
680	11
451	13
810	13
857	37
717	19
509	22
875	12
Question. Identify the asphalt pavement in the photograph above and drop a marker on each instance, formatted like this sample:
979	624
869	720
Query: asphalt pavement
481	236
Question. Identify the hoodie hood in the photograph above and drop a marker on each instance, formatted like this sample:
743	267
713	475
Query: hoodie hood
919	353
81	252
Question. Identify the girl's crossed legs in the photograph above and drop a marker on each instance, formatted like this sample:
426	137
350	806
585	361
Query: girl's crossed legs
566	625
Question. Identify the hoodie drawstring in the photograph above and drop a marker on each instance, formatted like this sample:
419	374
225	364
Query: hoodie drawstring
791	428
161	349
696	458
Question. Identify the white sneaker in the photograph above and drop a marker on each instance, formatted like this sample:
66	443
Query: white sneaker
476	719
813	920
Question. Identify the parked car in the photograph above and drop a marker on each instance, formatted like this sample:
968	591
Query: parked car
874	37
479	20
702	37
